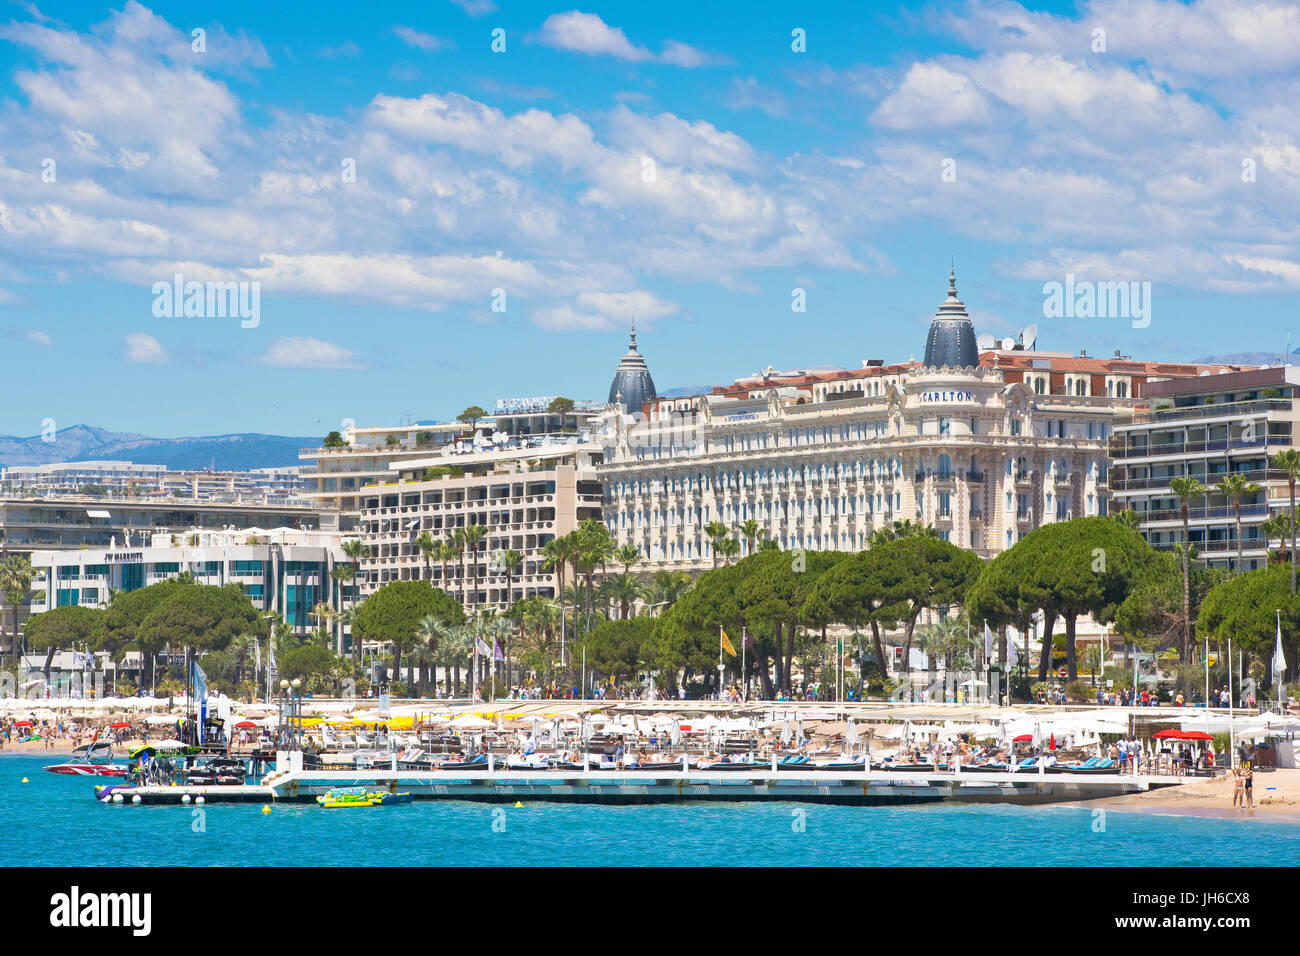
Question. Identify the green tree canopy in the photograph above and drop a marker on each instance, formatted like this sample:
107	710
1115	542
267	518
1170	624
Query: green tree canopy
201	617
1244	608
623	648
64	628
392	614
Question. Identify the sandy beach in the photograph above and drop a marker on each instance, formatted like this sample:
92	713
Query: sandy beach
1277	798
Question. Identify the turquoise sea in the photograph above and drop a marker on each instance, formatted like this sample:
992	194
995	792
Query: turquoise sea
55	821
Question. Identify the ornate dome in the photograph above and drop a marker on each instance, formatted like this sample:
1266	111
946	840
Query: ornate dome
632	386
951	341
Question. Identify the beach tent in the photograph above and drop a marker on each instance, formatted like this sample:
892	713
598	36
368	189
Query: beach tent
471	722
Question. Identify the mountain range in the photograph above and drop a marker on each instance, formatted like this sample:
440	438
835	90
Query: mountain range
237	452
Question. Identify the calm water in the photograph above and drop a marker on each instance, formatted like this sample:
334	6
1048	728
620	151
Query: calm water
55	821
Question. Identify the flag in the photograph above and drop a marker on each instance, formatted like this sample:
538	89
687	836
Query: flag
257	657
1279	660
480	647
1013	656
726	643
496	651
988	642
201	695
271	668
746	640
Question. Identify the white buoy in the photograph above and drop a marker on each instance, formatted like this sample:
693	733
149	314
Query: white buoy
117	798
106	800
185	799
136	799
199	799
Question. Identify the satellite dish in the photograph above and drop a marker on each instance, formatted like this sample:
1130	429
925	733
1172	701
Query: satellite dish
447	450
1029	337
986	342
1008	343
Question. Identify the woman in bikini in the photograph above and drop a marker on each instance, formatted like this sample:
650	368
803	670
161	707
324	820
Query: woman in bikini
1237	795
1249	786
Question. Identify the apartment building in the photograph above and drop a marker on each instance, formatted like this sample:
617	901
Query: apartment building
125	479
524	494
369	455
1207	428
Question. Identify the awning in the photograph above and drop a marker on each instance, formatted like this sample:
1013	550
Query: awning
98	514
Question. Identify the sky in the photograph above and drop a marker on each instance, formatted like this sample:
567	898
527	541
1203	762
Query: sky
443	203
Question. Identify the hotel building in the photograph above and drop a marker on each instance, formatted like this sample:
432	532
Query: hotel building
125	479
983	445
1207	428
285	570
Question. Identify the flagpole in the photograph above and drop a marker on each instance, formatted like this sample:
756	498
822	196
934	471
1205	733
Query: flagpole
744	684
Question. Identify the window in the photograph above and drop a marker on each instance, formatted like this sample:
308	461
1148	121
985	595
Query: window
1015	426
1039	386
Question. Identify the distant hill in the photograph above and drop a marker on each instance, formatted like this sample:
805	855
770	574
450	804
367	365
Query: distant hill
224	452
1249	358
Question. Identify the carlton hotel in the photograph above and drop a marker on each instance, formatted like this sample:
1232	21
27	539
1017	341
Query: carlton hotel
985	445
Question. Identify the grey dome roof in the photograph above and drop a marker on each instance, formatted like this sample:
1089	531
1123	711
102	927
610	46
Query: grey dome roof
632	386
951	341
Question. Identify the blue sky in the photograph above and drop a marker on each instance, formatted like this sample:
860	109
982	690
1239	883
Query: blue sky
676	164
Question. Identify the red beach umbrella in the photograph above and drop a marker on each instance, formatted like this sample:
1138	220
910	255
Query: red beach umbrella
120	725
1023	738
22	723
245	724
1174	734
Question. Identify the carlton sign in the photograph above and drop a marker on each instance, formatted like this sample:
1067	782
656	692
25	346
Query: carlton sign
947	396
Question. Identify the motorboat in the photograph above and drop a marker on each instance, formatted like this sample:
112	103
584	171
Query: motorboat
219	772
90	760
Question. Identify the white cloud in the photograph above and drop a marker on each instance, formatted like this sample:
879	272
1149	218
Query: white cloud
309	353
144	349
37	337
476	8
422	41
346	50
587	33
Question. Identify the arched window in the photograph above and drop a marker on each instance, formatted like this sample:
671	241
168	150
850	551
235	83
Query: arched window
1038	386
1080	386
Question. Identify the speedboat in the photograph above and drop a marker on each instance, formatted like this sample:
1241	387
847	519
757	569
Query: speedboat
90	760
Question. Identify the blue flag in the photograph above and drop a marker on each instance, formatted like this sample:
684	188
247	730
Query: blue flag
201	695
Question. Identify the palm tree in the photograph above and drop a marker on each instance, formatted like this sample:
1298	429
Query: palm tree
624	590
16	583
1277	526
474	534
715	531
445	552
667	587
510	562
554	554
426	546
627	555
427	632
461	542
906	528
1234	487
358	552
1186	488
597	547
751	531
342	574
728	547
1289	461
1128	518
